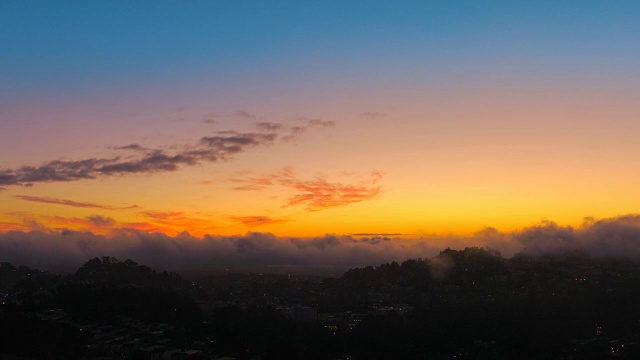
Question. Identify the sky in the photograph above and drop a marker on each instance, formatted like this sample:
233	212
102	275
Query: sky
415	125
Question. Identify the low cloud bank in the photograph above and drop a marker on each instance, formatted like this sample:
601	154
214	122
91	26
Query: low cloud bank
65	250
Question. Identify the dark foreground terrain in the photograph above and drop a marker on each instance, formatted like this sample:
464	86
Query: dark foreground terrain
469	304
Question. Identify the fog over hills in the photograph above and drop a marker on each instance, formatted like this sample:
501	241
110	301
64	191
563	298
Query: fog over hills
65	250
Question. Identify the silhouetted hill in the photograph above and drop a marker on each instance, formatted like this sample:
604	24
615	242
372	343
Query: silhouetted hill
469	303
109	270
23	278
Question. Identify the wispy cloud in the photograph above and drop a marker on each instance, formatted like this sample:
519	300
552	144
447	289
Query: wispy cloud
85	205
162	215
146	227
321	123
92	221
133	147
173	222
253	221
293	132
219	147
210	118
378	234
167	222
11	226
321	194
245	114
318	193
268	126
372	115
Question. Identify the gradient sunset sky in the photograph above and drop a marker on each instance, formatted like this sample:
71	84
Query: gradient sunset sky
403	119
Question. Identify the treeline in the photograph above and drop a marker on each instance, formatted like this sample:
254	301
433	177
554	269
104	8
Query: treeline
469	303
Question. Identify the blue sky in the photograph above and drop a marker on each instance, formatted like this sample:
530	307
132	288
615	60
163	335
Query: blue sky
77	46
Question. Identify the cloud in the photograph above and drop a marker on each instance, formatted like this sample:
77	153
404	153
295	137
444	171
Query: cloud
294	131
318	193
374	240
253	221
377	234
220	147
245	114
440	266
268	126
135	147
48	200
167	222
93	223
162	215
210	118
101	221
3	189
64	250
328	241
173	222
321	123
10	226
372	115
618	236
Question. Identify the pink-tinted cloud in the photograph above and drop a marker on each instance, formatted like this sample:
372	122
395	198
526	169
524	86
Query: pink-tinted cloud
253	221
173	222
85	205
318	193
11	226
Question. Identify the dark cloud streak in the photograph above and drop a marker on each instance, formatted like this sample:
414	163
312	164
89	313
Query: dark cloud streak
253	221
48	200
245	114
220	147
